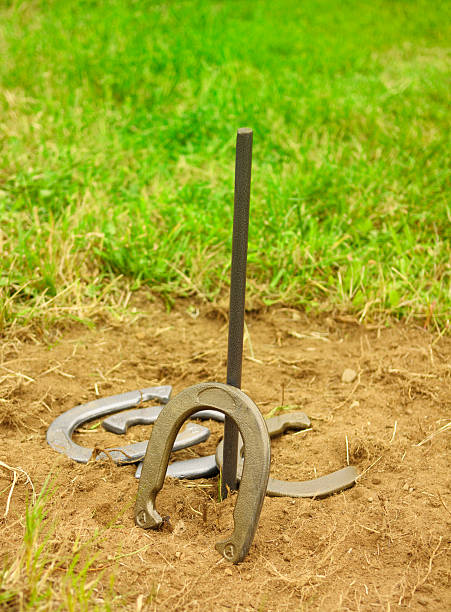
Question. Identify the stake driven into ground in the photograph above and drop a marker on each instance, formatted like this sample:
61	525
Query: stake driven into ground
117	135
243	167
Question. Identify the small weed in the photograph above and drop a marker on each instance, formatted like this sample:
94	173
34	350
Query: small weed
278	409
220	486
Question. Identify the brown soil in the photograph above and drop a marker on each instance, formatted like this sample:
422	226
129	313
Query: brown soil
382	545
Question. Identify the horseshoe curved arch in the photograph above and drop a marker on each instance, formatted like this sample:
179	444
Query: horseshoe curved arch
331	483
257	451
59	434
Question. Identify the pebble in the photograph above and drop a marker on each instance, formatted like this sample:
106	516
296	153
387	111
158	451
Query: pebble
179	528
423	601
228	572
406	487
376	480
348	376
285	538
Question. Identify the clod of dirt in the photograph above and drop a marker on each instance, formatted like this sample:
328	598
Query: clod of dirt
349	375
11	406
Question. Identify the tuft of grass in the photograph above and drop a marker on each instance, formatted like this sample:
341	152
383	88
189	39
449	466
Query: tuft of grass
40	576
117	154
280	409
220	486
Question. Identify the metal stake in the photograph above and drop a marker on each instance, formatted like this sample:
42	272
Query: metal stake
243	164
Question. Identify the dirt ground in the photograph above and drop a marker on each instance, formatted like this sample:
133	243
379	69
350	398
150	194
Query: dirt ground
383	544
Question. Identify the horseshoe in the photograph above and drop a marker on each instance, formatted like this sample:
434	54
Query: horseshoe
203	467
318	487
199	467
257	450
59	434
119	423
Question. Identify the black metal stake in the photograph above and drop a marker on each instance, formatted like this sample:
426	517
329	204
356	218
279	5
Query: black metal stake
243	164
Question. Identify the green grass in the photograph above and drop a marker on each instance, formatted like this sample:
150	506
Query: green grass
117	128
42	575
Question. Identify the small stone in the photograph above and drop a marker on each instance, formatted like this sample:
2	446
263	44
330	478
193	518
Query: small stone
409	411
411	490
179	527
348	376
285	538
423	601
376	480
178	554
406	487
228	571
370	499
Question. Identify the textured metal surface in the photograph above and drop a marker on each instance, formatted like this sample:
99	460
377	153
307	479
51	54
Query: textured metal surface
238	406
243	165
199	467
318	487
119	423
59	434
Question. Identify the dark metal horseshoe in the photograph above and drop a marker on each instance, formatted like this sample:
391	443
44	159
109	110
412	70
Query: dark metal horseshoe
59	434
239	407
318	487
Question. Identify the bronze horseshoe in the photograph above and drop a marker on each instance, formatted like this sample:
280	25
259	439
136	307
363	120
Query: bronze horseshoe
257	449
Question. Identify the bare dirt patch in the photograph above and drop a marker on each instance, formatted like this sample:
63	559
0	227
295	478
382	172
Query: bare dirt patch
382	545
